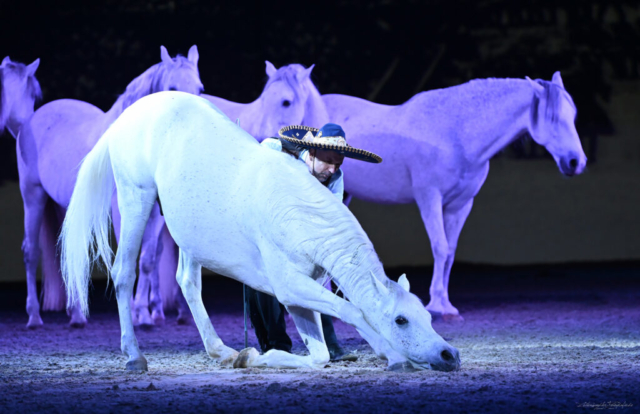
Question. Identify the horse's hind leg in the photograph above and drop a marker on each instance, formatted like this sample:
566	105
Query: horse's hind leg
310	329
135	206
189	277
34	200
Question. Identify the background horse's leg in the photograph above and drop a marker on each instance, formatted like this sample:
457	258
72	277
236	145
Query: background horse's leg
172	296
453	222
310	329
134	213
34	200
430	205
154	228
189	277
148	274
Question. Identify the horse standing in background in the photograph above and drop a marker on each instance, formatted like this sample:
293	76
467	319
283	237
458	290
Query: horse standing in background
288	98
50	148
227	213
19	92
437	146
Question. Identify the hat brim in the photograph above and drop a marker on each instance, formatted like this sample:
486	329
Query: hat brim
289	141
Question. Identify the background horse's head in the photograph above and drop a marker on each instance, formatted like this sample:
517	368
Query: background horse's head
284	98
552	124
404	322
171	74
19	91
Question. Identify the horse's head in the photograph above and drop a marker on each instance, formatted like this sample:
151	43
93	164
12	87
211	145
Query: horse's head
403	321
284	98
180	73
19	90
552	124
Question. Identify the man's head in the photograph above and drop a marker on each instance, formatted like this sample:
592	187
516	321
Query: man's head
324	163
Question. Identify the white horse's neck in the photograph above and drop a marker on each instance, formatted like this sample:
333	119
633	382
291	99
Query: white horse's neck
505	116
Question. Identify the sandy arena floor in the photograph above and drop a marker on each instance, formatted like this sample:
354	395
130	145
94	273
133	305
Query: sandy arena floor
540	345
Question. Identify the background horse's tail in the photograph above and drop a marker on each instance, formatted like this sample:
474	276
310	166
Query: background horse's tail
52	284
85	231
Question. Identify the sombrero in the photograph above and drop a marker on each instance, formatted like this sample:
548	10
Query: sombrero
330	137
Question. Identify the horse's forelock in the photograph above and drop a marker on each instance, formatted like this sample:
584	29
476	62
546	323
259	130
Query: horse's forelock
553	95
289	74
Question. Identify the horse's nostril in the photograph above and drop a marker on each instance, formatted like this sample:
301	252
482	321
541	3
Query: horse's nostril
446	355
573	163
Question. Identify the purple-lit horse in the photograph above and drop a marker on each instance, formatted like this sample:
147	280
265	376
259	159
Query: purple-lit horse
50	148
437	146
289	98
19	91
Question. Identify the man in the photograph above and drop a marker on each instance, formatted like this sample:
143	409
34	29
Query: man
323	152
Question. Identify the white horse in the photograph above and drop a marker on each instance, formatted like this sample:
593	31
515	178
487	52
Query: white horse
19	91
288	98
437	146
245	212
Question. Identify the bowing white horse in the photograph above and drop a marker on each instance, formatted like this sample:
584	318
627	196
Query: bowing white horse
437	146
50	147
288	98
226	212
19	92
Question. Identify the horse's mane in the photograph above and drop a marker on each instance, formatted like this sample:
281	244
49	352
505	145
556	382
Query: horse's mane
150	81
308	205
33	88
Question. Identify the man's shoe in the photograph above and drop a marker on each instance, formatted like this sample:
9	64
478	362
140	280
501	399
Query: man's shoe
337	354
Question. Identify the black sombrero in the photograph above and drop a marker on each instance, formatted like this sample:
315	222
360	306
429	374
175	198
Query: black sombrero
330	137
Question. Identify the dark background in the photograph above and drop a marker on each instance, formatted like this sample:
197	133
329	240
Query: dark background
384	51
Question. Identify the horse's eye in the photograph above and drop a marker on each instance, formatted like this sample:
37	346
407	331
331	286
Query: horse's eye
401	320
286	103
173	88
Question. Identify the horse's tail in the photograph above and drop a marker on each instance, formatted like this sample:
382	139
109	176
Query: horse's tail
52	286
85	231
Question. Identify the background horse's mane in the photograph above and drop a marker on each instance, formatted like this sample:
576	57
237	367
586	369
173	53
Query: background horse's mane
325	219
150	81
288	74
33	88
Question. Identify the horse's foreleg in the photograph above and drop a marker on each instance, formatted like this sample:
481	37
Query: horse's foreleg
430	205
189	277
34	200
310	329
309	294
134	212
453	222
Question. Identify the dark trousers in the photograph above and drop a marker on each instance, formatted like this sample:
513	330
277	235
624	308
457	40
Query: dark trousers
267	317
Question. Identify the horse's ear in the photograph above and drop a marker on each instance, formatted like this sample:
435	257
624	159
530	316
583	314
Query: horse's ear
305	74
193	55
380	287
557	79
404	282
164	55
537	88
6	60
31	69
271	70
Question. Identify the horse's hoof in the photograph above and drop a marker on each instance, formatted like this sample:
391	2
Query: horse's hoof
228	359
452	318
139	364
245	358
158	318
77	324
35	322
401	367
146	326
183	320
